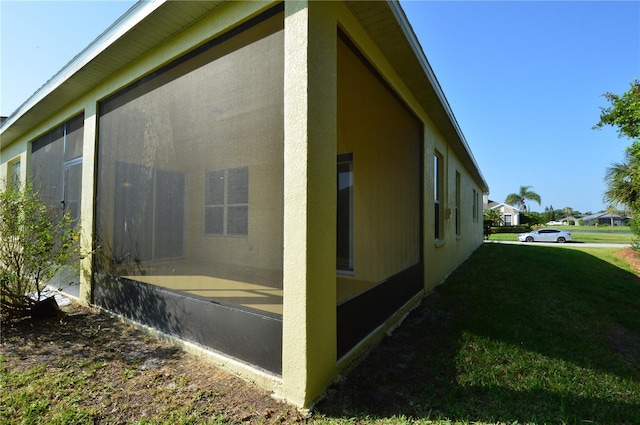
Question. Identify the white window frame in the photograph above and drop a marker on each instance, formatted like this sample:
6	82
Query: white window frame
346	159
438	195
14	176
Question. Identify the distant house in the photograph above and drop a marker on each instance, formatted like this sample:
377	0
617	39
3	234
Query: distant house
273	184
510	214
570	221
604	218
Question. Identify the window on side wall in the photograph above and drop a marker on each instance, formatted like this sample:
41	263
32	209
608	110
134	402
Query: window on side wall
344	219
475	205
457	207
13	179
227	202
438	191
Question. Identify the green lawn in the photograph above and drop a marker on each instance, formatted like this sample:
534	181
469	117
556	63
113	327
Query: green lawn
583	234
518	334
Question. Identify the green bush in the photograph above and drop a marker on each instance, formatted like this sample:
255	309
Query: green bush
36	241
511	229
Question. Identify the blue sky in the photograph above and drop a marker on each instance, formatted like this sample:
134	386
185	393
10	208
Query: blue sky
524	79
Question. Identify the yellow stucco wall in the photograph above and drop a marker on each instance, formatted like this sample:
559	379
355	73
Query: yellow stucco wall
441	257
10	155
309	317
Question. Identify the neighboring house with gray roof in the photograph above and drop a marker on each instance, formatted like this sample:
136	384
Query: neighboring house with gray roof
605	218
510	215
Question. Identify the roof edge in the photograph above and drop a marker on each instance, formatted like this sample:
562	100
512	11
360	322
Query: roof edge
410	35
138	12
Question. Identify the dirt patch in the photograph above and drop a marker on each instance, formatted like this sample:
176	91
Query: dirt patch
145	377
632	257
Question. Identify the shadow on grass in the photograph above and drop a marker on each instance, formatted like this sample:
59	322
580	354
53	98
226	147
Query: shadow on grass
517	333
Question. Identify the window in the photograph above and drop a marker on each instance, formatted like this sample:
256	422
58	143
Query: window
475	205
72	188
437	193
227	202
13	179
457	207
507	219
344	219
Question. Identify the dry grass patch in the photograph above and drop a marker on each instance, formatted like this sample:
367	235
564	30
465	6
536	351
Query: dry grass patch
88	367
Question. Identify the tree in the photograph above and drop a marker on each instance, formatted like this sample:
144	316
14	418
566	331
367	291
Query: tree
568	211
494	216
623	179
532	218
551	214
623	113
611	210
36	241
520	199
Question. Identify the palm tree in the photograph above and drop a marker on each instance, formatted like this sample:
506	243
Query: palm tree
519	199
611	210
623	180
494	216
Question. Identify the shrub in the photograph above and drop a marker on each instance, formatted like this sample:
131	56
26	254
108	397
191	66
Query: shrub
511	229
36	241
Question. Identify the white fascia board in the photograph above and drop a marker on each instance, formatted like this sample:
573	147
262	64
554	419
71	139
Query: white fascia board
137	13
502	205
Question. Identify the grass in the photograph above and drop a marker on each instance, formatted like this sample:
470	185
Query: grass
583	234
518	334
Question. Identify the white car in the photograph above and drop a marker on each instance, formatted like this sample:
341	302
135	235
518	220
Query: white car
554	223
546	235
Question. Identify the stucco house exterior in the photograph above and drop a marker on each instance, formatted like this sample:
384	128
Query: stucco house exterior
510	214
272	184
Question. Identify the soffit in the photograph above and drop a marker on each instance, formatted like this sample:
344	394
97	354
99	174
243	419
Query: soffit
145	26
389	28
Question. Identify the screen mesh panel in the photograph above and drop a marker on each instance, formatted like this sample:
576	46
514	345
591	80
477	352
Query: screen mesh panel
47	156
190	174
380	165
74	132
51	155
379	225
